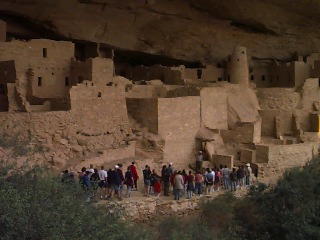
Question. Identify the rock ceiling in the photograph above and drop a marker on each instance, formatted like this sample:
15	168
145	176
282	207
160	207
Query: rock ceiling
191	30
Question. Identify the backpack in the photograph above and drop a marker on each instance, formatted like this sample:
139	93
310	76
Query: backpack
233	176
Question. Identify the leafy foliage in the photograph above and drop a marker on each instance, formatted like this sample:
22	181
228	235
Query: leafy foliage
35	204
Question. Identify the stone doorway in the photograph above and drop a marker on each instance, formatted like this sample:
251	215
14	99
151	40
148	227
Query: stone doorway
4	104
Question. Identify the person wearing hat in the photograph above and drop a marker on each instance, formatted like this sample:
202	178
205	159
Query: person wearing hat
199	161
248	173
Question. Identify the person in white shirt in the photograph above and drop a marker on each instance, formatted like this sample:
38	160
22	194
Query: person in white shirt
103	183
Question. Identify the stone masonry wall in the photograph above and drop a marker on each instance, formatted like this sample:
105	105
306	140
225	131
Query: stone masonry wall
179	122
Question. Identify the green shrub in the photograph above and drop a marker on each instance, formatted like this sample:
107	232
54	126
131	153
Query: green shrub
35	204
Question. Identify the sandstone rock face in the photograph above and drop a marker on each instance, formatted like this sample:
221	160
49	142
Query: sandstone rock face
193	30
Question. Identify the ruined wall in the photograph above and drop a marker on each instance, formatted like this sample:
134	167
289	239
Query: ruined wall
80	71
260	76
3	31
99	110
310	94
213	74
179	122
7	72
245	133
214	108
102	70
243	105
301	73
282	157
48	60
145	91
278	98
144	111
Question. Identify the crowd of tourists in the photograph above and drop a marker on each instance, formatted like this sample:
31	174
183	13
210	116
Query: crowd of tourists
113	182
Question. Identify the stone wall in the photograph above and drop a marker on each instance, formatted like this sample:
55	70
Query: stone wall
7	72
179	122
245	133
214	108
278	98
47	62
282	157
144	111
99	110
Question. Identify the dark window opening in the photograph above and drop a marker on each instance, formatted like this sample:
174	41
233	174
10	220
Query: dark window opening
99	94
66	82
219	79
218	65
278	78
52	74
92	84
263	77
242	52
44	52
252	77
80	79
39	81
3	89
199	73
238	59
229	79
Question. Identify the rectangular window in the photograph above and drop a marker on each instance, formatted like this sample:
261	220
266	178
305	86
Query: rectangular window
66	82
44	52
263	77
229	78
39	81
219	79
199	73
252	77
99	94
80	79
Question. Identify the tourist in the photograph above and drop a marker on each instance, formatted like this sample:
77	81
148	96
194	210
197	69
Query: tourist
153	177
184	175
146	179
129	181
87	185
199	161
178	185
115	182
217	181
233	179
225	176
65	176
172	181
214	175
170	169
103	183
190	184
119	170
248	173
240	176
94	179
91	170
135	176
208	180
165	177
199	183
81	175
157	187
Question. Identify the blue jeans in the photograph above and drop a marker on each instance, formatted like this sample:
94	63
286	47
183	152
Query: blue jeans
198	188
247	180
189	194
233	185
177	194
128	191
226	183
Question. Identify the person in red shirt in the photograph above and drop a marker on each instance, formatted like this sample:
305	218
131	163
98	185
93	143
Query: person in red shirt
135	176
157	187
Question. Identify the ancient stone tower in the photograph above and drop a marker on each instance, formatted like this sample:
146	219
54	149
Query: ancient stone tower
237	67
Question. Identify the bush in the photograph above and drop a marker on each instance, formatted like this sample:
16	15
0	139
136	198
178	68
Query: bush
35	204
